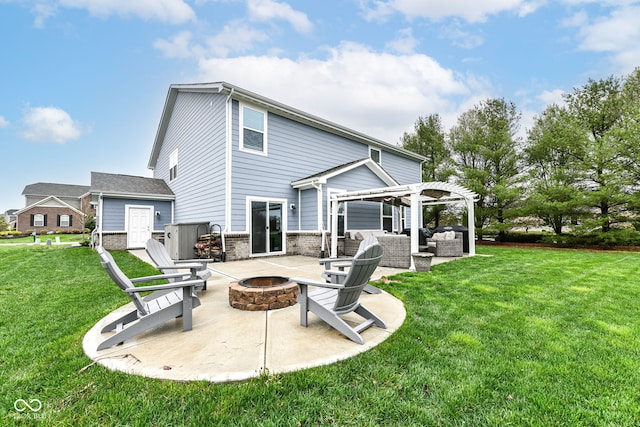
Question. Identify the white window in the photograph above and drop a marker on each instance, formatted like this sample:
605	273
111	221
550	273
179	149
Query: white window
64	221
253	135
387	217
173	165
375	155
38	220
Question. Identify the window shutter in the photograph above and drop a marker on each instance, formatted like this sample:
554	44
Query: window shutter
31	222
70	220
58	221
45	220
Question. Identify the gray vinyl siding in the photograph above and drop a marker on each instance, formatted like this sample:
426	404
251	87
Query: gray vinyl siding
114	213
197	129
295	151
308	210
403	170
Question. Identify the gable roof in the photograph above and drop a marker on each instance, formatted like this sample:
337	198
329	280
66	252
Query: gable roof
117	185
322	177
59	190
239	94
50	201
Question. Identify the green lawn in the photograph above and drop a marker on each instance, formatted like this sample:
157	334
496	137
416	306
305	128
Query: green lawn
524	338
65	238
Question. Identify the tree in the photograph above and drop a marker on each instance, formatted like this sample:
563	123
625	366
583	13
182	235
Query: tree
554	146
597	108
484	142
428	140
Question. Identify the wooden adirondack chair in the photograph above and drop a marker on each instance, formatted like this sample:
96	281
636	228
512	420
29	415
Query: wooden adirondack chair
153	310
331	300
335	267
159	255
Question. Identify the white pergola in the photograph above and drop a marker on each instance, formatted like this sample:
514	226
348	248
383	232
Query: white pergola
415	196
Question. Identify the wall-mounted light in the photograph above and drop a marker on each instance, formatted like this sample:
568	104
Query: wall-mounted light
292	206
157	213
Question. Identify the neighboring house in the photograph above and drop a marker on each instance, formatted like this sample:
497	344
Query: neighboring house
10	217
53	207
129	209
265	171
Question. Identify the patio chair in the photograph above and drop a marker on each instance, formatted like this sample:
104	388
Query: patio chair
153	310
331	300
337	276
159	255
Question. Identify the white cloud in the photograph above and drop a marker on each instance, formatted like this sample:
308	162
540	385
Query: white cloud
49	124
236	36
548	97
379	94
471	11
4	122
459	37
618	34
266	10
405	43
179	46
171	11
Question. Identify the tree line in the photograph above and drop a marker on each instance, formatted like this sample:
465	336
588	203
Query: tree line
576	170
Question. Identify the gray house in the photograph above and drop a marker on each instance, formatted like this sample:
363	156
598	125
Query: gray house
129	209
265	171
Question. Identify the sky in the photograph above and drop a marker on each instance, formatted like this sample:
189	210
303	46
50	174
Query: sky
83	82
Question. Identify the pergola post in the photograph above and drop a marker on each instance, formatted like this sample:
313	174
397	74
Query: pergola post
334	228
471	226
415	225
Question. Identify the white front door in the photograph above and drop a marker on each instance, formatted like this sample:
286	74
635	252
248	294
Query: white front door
139	225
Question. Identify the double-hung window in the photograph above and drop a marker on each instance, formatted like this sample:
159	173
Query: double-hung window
253	132
39	220
387	217
173	165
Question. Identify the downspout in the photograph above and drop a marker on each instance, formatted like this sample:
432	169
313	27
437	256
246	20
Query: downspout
228	160
100	210
318	187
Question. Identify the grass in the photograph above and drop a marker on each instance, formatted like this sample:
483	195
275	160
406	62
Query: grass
524	337
64	238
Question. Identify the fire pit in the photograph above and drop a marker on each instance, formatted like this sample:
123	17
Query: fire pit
263	293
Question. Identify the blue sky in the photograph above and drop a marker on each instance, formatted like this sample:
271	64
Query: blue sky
84	81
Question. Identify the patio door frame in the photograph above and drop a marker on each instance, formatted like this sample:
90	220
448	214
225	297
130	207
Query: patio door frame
275	226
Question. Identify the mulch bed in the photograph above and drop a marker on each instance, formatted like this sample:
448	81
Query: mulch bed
552	246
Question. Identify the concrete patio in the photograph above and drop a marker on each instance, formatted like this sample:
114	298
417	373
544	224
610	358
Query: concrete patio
227	344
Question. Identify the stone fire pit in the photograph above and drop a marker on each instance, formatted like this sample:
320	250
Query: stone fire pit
263	293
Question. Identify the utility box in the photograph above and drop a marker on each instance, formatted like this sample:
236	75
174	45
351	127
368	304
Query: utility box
179	239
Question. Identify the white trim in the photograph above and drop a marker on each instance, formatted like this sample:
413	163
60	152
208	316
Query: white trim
264	151
228	164
330	192
379	154
283	224
127	210
306	183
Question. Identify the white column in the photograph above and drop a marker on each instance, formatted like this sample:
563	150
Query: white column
334	228
471	226
415	224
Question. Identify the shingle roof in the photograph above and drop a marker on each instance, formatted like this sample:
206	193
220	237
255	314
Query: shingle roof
128	185
58	190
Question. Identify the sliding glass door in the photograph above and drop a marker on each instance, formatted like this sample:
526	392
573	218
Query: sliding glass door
267	227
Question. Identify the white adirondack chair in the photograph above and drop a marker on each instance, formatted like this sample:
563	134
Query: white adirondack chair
331	300
167	302
159	255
